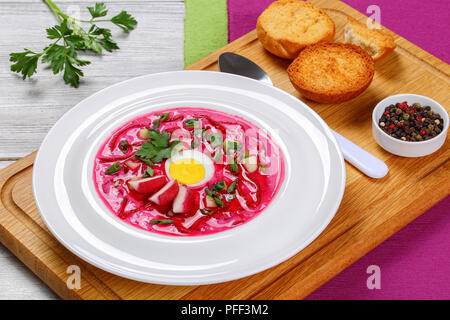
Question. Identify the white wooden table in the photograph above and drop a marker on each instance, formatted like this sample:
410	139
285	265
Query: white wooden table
29	108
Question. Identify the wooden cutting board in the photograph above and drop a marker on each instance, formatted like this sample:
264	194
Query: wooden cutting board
371	210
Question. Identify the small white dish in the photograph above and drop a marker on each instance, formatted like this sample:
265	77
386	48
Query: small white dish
408	148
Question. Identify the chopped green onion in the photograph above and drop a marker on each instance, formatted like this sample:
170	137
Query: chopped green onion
123	146
207	211
191	123
234	167
217	155
219	186
232	187
113	168
148	173
215	139
161	221
215	197
232	146
162	118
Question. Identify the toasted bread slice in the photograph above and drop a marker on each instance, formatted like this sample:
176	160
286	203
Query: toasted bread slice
377	43
331	72
287	26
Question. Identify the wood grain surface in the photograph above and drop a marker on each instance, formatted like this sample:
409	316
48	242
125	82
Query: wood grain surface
371	210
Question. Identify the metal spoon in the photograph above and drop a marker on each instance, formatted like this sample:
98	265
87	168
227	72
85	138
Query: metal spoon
364	161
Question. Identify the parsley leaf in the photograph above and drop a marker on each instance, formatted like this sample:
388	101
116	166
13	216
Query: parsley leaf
124	21
160	139
98	11
157	148
25	62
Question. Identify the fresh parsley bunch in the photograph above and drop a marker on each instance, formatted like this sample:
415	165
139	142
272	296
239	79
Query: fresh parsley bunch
68	38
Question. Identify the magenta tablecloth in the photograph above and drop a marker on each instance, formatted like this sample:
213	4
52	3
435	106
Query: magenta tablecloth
415	262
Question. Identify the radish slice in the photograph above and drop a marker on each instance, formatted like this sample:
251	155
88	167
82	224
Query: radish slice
166	194
183	201
148	185
210	203
133	165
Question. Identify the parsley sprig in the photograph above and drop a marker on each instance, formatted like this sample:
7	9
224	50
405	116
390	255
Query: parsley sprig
68	38
157	148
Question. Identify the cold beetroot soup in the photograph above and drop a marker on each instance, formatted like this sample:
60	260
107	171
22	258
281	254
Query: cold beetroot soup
188	171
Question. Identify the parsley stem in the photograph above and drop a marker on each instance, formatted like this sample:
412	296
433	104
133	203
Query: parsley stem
59	14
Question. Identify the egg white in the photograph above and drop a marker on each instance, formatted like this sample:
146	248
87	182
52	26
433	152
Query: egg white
198	156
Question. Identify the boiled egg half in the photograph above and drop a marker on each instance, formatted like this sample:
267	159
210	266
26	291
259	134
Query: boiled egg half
190	167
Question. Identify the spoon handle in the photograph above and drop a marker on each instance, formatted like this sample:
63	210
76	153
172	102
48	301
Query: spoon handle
361	159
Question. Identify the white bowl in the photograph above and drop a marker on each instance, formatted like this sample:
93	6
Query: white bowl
408	148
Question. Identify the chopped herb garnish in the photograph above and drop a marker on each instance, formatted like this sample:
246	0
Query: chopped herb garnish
158	148
194	143
146	161
217	155
162	118
218	201
161	221
207	211
219	186
148	173
215	139
215	197
191	123
246	154
209	192
232	146
123	146
200	133
160	139
263	167
113	168
234	167
232	187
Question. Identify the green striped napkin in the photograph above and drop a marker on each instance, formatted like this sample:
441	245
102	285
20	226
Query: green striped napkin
205	28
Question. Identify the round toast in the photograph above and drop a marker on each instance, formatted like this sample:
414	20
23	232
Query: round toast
331	72
377	43
288	26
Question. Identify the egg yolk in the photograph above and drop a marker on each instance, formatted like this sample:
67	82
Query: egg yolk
187	171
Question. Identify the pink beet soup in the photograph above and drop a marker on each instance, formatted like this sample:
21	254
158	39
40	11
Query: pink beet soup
188	171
